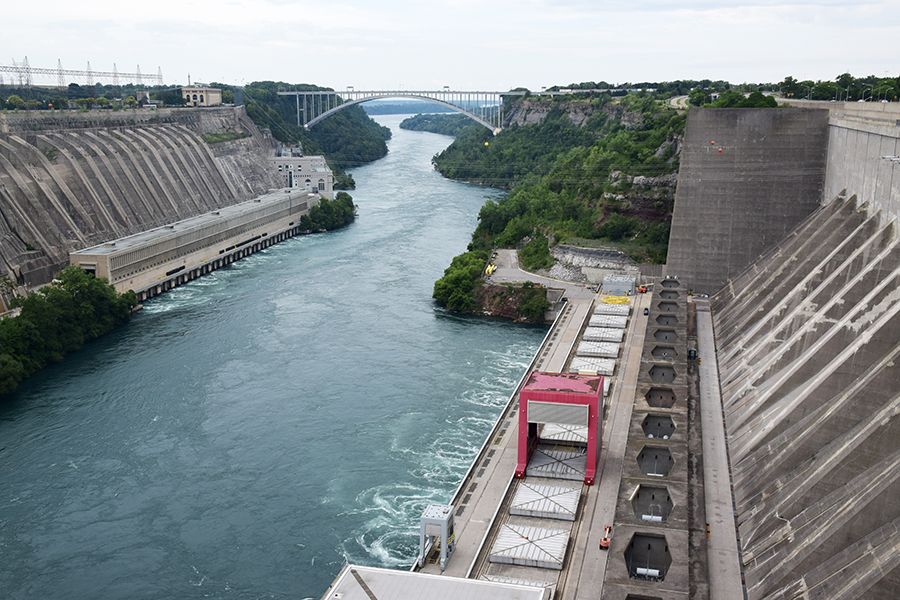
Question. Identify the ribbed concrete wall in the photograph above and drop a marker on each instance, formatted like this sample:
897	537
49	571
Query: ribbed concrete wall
70	181
747	177
808	342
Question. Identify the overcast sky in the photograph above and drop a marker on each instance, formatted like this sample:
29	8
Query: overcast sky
465	44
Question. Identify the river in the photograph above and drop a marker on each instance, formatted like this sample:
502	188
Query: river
250	431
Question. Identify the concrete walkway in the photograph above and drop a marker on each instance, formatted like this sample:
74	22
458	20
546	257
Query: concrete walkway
724	559
509	271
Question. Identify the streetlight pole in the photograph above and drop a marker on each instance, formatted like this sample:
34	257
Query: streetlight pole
866	85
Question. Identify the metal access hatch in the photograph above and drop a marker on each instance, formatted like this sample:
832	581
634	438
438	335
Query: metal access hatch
576	435
528	546
593	365
557	462
622	310
614	321
547	501
603	334
599	349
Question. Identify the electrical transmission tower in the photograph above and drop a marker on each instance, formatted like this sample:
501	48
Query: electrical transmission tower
24	74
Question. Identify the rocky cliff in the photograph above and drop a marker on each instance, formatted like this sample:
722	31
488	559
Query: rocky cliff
73	179
534	111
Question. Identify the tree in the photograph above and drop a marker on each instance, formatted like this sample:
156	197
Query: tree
130	102
790	87
58	319
698	97
15	102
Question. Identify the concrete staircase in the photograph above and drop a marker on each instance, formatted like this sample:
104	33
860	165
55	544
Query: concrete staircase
808	341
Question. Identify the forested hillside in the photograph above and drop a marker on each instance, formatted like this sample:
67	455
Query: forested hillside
445	123
584	169
589	169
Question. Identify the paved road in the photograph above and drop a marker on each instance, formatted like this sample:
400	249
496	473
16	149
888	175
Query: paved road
679	102
724	559
508	271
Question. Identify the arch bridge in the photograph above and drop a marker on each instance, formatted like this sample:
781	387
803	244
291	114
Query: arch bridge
483	107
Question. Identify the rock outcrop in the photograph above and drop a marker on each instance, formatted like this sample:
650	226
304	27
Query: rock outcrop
70	180
533	111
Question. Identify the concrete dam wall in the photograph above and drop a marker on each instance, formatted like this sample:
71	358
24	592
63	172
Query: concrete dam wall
71	180
863	151
808	342
747	177
797	236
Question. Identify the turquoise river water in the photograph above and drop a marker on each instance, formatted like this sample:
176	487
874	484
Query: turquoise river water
250	431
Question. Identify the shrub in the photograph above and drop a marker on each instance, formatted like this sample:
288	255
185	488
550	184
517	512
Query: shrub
536	254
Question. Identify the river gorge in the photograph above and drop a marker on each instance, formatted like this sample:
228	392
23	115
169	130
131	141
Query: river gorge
249	432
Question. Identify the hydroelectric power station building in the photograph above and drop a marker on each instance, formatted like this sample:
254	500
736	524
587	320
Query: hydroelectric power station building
159	259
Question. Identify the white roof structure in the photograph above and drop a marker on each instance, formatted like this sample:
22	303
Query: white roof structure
550	585
603	334
615	321
623	310
530	546
545	501
557	464
363	583
601	349
589	365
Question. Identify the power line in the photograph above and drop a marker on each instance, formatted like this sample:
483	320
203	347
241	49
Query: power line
25	74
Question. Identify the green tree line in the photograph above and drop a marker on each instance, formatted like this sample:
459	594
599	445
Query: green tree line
56	320
444	123
330	214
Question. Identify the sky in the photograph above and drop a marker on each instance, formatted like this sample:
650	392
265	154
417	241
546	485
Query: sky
464	44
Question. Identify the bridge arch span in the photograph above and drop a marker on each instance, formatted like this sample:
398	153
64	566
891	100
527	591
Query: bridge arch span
411	96
315	106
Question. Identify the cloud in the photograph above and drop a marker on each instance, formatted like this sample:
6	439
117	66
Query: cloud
465	43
